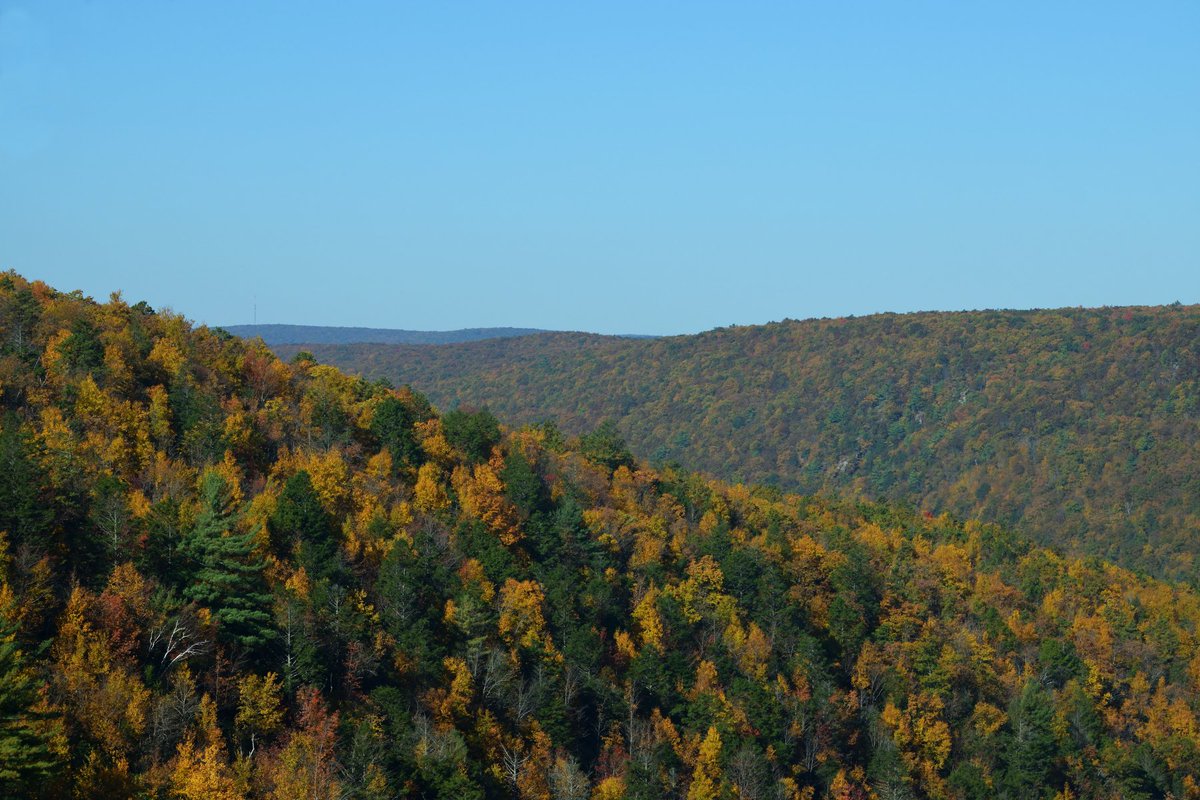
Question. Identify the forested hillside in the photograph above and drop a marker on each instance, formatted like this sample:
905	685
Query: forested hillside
223	576
1079	426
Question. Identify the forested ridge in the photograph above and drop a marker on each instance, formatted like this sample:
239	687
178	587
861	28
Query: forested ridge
225	576
1081	427
326	334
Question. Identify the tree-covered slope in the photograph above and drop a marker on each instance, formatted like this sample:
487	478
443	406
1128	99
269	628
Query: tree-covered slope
223	576
1080	426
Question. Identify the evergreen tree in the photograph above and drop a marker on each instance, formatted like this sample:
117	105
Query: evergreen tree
393	426
19	314
300	521
83	350
409	591
22	513
229	577
1031	752
854	607
605	446
26	755
474	434
522	485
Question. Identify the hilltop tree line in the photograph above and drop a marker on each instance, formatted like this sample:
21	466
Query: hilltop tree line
226	576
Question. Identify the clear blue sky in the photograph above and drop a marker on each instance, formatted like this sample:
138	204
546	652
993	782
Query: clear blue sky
642	167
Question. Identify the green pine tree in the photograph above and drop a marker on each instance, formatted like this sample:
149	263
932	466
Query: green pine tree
605	446
26	754
23	512
393	426
475	434
1031	753
300	521
229	577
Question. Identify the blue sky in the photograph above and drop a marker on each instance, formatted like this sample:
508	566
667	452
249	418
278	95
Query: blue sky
646	167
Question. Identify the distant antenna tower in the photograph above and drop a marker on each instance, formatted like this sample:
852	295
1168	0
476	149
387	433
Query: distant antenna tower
254	313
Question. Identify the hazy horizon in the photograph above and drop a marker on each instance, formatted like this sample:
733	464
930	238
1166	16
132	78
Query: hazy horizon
615	168
688	333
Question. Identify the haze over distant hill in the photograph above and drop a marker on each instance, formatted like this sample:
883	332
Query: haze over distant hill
327	334
1080	425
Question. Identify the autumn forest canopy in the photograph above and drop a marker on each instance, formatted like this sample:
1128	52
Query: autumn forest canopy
224	575
1079	427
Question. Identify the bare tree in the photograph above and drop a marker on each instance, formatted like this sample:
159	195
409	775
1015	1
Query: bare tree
513	761
812	748
112	517
290	664
570	686
750	774
528	695
172	713
498	673
567	780
176	640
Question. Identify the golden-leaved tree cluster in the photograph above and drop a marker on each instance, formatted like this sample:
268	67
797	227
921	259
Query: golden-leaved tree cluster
225	576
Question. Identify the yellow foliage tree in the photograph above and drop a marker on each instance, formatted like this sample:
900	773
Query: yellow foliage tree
201	768
307	767
921	735
649	622
522	623
610	788
105	703
700	594
428	494
707	780
259	711
481	493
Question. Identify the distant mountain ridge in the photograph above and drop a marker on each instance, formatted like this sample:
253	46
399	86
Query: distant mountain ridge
330	334
1081	426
